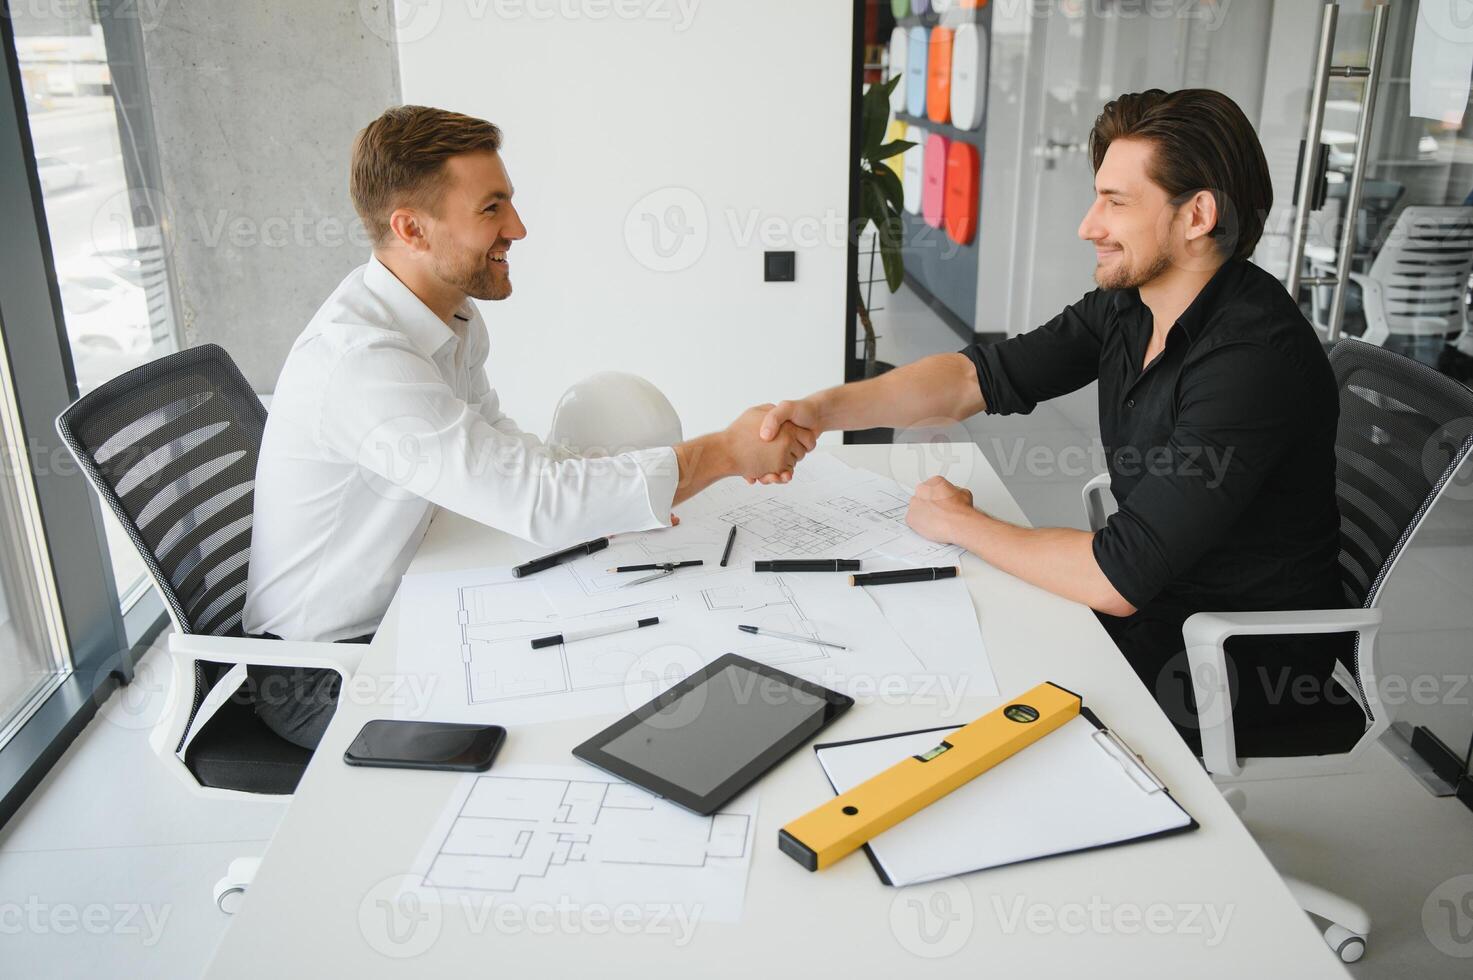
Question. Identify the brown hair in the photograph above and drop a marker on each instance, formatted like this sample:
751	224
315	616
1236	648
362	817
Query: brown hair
399	158
1201	141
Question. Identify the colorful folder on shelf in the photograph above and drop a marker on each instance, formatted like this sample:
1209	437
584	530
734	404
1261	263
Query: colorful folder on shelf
933	189
959	212
938	75
968	75
915	72
913	169
899	48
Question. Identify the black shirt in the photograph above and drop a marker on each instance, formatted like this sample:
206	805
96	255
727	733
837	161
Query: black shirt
1221	451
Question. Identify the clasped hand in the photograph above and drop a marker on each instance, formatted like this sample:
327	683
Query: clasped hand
772	458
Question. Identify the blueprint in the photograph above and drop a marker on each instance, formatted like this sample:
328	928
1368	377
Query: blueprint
547	834
472	630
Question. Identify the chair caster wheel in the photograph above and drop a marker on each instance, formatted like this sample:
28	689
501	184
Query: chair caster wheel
230	890
228	897
1347	945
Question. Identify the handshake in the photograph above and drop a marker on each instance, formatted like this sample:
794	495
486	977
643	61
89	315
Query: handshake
766	442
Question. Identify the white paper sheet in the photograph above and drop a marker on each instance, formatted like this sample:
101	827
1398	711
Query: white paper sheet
574	838
939	623
472	630
1070	790
1442	61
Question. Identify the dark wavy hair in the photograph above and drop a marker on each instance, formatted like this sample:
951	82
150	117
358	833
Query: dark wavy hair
1201	141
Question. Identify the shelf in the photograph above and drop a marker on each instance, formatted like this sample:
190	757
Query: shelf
973	136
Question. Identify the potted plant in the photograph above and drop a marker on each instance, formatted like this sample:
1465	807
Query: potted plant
880	203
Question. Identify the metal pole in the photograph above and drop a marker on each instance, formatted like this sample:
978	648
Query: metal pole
1310	156
1357	173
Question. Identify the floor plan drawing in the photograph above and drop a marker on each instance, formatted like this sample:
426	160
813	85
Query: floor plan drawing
500	662
772	528
883	504
539	833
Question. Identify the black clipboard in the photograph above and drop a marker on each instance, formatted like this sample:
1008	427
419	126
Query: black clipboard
1101	730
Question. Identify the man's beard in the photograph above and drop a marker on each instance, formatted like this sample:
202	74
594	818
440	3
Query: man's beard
471	273
1124	276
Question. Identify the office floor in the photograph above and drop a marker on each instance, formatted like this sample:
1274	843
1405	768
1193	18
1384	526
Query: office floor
109	865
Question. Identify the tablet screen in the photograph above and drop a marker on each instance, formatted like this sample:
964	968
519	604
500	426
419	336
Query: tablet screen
712	734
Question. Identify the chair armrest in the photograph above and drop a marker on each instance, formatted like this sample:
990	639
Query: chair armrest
1095	493
341	657
1205	635
1373	302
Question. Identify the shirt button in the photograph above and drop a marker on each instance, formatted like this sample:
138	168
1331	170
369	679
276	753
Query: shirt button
1130	403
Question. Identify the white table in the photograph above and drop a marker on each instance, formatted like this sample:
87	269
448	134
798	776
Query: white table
320	904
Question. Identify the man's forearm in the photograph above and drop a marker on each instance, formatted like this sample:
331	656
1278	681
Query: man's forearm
702	461
1060	560
943	386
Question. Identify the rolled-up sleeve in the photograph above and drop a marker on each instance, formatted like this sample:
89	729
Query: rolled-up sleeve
1061	356
387	408
1236	419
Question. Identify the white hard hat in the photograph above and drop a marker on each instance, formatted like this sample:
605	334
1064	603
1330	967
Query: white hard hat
613	412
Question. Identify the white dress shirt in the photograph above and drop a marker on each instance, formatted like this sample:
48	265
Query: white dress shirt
383	412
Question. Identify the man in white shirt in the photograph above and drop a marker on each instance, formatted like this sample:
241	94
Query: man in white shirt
383	412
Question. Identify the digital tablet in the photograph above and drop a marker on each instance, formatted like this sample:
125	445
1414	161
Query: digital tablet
707	738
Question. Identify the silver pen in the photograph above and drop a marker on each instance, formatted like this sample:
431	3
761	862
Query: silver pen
790	636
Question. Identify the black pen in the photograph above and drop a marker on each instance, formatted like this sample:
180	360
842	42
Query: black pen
730	540
568	554
573	635
904	575
809	565
658	566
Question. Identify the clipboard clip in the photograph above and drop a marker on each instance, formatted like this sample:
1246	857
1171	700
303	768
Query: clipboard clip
1134	766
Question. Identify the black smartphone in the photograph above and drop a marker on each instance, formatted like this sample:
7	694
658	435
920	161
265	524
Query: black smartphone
425	745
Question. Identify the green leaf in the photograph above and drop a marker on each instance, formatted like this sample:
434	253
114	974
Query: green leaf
890	187
892	259
890	149
875	115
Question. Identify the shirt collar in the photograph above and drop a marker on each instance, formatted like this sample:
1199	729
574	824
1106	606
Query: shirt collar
1198	314
418	322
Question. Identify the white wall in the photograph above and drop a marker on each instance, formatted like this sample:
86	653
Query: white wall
736	109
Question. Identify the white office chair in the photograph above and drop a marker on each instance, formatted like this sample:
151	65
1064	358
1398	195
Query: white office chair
1416	284
612	412
1391	409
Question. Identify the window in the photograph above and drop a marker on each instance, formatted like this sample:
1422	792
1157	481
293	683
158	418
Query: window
33	651
93	166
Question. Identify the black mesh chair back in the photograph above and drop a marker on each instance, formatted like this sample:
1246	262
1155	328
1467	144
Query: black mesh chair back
172	447
1404	431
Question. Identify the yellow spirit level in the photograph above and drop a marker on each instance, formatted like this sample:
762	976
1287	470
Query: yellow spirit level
824	835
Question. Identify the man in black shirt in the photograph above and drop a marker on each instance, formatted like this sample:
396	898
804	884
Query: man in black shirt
1217	406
